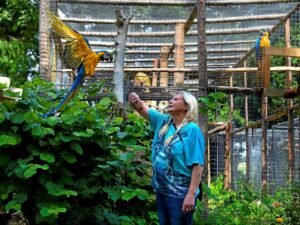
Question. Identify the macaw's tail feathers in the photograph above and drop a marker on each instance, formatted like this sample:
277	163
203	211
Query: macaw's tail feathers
69	96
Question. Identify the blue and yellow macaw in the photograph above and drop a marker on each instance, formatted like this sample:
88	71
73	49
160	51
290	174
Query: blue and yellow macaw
262	41
77	55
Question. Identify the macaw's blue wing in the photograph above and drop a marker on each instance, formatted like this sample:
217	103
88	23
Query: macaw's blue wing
258	55
69	96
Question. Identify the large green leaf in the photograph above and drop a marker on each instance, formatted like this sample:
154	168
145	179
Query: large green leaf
9	139
105	102
129	194
87	133
31	117
48	157
41	132
111	130
70	158
76	147
58	190
32	168
69	119
17	118
66	137
113	194
45	211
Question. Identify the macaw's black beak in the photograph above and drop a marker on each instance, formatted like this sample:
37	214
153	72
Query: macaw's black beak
107	57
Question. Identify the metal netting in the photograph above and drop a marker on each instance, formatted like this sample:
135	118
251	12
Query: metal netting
231	31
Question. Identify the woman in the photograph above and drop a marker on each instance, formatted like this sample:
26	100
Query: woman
177	156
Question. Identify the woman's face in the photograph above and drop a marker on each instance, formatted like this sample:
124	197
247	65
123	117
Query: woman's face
177	105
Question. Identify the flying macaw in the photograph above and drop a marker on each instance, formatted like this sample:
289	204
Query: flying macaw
261	41
77	55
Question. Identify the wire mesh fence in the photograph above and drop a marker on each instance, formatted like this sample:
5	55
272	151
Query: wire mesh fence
161	58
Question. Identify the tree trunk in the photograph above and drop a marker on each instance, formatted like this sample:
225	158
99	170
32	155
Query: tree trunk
44	43
118	78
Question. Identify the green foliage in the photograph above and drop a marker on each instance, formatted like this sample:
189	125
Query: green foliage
217	106
87	166
246	206
18	39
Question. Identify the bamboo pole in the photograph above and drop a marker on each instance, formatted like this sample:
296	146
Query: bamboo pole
190	50
229	31
164	22
179	54
134	2
177	2
211	58
156	44
209	65
291	153
191	69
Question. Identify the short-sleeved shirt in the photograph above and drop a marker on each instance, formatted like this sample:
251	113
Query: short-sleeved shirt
172	163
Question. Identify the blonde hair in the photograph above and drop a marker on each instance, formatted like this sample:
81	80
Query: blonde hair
191	115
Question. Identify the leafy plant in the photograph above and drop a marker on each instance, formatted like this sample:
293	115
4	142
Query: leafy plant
218	108
247	206
87	166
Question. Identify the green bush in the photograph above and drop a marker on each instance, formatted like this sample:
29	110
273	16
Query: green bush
87	166
245	206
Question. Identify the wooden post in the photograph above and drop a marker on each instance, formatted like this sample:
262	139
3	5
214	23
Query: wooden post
164	64
164	61
227	158
208	164
202	71
291	154
44	43
179	54
264	126
154	75
227	155
118	78
247	130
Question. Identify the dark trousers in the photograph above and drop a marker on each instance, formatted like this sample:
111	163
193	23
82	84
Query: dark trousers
170	211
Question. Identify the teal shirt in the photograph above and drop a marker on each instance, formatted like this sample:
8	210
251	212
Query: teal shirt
173	163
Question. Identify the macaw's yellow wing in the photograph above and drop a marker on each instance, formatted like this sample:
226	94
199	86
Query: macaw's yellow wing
76	47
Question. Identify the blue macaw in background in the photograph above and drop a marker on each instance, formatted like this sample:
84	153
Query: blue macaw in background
77	54
261	41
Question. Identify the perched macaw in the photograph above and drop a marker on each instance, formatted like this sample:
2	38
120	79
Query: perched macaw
261	41
77	55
